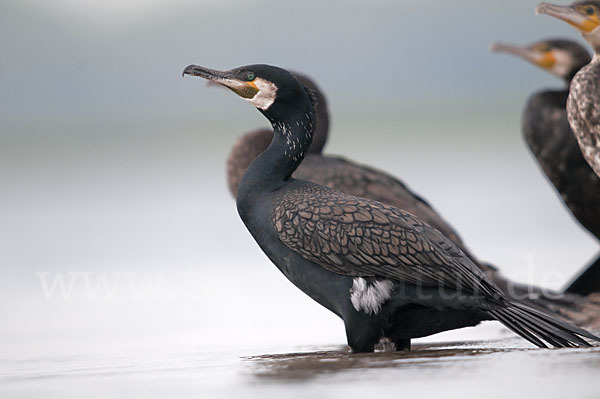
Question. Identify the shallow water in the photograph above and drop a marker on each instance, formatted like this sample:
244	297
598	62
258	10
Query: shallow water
493	369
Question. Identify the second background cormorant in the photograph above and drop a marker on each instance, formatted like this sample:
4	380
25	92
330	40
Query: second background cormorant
583	105
549	136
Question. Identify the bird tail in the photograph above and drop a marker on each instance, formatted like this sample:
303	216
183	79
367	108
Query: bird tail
539	328
564	305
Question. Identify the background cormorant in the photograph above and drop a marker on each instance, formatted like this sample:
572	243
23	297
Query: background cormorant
549	136
583	105
382	270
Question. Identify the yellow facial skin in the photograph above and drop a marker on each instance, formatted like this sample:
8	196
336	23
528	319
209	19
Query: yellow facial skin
591	21
546	59
246	90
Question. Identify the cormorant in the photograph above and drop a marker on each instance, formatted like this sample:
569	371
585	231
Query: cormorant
366	182
549	136
382	270
334	171
583	105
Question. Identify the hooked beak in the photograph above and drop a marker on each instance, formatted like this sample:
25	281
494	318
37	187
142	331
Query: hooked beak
225	78
569	14
541	59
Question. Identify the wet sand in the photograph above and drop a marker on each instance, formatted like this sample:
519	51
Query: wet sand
306	366
491	369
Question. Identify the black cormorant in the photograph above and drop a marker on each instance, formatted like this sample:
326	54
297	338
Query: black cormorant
382	270
334	171
366	182
549	136
583	105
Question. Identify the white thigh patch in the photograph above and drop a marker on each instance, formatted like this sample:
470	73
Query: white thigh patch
369	297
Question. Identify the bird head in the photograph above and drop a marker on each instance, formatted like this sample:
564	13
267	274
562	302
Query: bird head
563	58
583	15
274	91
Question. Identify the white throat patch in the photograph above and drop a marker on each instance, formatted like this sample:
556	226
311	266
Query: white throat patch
267	92
563	64
369	297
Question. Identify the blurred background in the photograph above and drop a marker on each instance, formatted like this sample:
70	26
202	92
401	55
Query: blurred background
117	231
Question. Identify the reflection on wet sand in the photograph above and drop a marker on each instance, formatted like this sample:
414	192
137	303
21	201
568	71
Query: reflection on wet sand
305	366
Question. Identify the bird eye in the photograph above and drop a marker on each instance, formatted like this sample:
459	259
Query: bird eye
250	76
590	11
547	48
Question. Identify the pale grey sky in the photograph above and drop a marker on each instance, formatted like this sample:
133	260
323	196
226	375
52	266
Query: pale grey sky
93	61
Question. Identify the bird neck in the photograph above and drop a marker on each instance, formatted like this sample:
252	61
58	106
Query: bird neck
593	38
273	168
